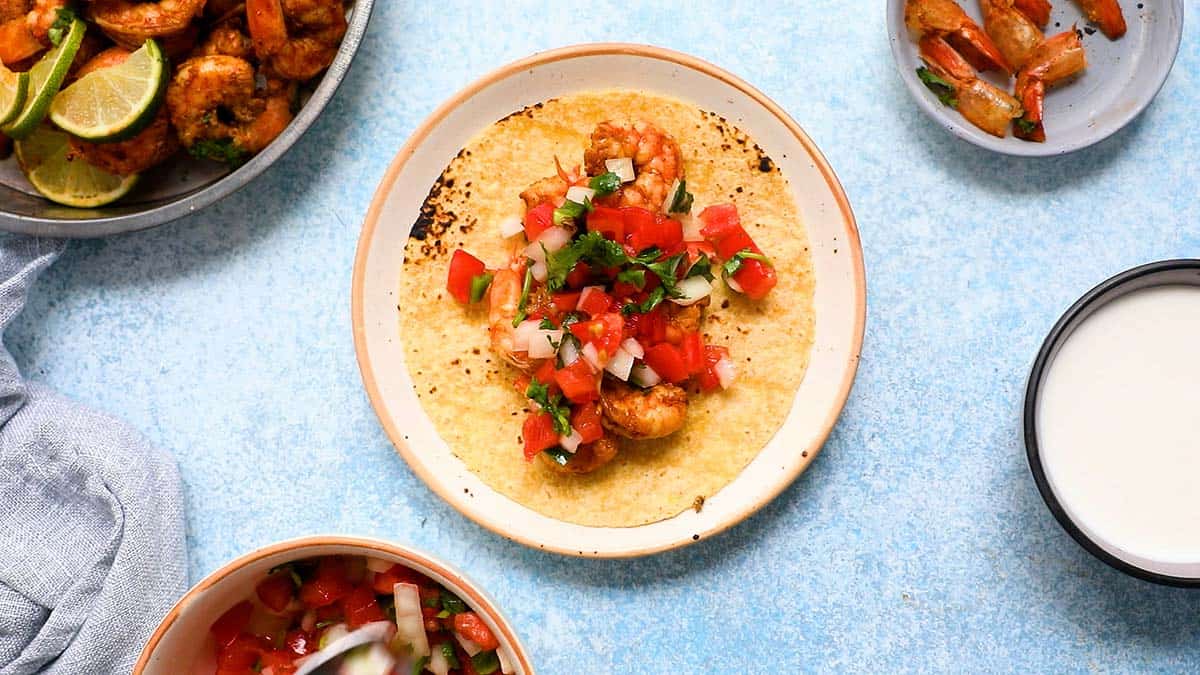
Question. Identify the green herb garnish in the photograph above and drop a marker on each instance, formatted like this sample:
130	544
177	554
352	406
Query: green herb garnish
486	663
701	268
479	285
451	657
592	247
1026	126
61	26
560	457
443	614
419	666
734	263
560	415
656	296
634	276
666	271
571	210
220	150
605	184
647	256
291	570
525	286
547	324
939	86
681	202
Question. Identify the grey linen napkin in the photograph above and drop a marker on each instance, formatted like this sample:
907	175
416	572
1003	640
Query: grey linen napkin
91	517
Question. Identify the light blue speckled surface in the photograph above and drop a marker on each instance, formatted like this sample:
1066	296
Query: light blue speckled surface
916	541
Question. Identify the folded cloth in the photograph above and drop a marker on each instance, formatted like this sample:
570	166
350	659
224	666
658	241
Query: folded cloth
91	517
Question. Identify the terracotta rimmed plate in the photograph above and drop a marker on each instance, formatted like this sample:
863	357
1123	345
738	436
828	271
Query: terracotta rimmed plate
840	300
174	646
1122	77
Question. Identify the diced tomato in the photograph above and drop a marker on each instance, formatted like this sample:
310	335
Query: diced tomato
240	655
545	375
328	585
472	627
623	289
300	642
463	268
652	229
276	591
652	326
565	302
666	360
361	607
280	662
756	278
594	301
586	420
385	582
521	384
579	384
695	248
636	220
604	331
226	628
692	350
607	221
707	378
579	275
432	623
538	219
719	221
538	434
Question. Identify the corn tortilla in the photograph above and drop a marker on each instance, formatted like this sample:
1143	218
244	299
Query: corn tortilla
468	392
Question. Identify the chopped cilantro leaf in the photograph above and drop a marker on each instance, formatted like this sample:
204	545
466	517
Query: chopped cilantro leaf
559	414
648	256
682	201
656	296
560	457
221	150
571	210
524	294
939	86
61	26
419	666
451	603
486	663
1026	126
451	657
666	271
634	276
701	268
734	263
479	285
592	247
547	324
605	184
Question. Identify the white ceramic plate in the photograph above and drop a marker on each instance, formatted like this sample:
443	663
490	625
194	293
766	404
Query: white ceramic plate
1122	77
837	258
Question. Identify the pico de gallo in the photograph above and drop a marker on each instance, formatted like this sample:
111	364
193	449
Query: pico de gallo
611	293
304	606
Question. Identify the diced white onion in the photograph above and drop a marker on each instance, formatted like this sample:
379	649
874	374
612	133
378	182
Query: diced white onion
586	293
410	625
726	372
379	565
633	347
368	659
623	167
580	194
471	648
666	207
620	364
506	661
438	663
733	285
543	344
554	238
692	290
335	633
644	376
592	356
535	252
309	621
568	351
539	271
511	227
571	442
523	335
691	227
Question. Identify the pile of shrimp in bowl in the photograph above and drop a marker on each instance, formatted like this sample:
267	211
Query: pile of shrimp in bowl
235	70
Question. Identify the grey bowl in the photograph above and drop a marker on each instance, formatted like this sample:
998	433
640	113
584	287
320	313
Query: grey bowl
184	186
1123	76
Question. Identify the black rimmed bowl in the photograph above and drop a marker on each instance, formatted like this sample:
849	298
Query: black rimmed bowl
1185	272
183	186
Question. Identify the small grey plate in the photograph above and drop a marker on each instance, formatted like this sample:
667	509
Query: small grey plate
1122	77
182	186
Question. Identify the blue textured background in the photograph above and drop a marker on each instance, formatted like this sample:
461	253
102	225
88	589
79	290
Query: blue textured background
916	541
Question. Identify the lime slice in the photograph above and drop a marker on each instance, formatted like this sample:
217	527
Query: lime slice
13	87
112	104
44	158
45	78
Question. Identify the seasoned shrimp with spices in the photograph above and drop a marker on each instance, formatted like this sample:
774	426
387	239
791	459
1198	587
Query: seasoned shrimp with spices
220	111
636	413
296	39
25	28
588	457
504	295
131	23
657	161
226	39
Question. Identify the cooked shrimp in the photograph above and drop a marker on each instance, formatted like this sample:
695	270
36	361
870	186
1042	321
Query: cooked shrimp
657	161
24	34
226	39
1056	59
1107	15
945	19
220	113
220	10
1013	32
296	39
550	190
131	23
503	297
683	320
980	102
1038	11
642	413
587	458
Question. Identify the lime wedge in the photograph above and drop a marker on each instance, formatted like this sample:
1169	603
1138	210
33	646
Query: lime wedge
45	78
44	157
13	87
112	104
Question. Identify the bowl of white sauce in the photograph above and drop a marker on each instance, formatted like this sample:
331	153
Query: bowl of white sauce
1112	422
